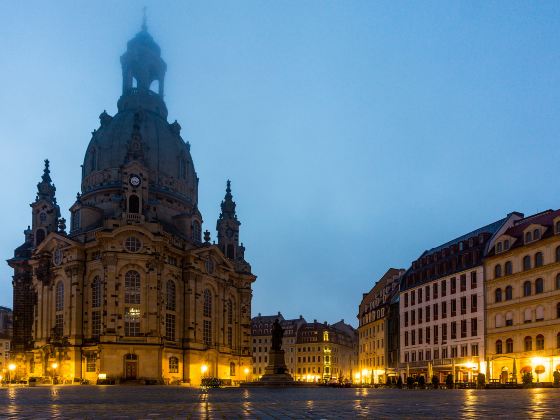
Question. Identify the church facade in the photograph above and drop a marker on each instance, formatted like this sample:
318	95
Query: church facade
133	290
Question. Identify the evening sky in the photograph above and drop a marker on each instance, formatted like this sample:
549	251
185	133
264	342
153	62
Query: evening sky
356	134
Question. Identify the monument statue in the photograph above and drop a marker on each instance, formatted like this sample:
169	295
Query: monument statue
277	335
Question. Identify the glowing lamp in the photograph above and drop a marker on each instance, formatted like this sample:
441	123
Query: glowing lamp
12	366
54	365
246	370
102	376
204	369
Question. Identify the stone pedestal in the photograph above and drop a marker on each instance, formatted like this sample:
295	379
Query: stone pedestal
276	373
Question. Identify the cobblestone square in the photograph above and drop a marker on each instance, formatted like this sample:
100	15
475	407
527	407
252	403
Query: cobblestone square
155	402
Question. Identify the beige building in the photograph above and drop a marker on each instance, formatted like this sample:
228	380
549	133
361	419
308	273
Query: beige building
4	356
261	327
133	291
373	330
523	300
313	351
326	352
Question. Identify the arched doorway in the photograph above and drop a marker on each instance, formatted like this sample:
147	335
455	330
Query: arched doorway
130	366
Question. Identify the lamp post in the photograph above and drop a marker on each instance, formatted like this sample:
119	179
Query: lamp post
54	366
11	369
246	370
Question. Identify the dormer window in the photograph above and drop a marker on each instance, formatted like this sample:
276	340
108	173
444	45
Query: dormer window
528	237
499	247
557	229
506	244
461	246
536	234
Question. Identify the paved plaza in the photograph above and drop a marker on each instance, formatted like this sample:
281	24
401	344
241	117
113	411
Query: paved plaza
155	402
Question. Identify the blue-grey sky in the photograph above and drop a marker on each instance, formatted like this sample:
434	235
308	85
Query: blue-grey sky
356	133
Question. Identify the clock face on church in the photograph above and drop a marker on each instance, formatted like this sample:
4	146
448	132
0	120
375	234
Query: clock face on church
135	180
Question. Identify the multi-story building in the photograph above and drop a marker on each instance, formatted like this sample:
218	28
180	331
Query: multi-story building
523	300
135	290
6	321
375	362
326	352
4	354
442	306
261	331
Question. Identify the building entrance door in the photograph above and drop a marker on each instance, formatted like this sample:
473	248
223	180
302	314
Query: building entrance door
130	366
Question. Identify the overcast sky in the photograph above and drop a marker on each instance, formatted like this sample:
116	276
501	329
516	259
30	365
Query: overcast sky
356	134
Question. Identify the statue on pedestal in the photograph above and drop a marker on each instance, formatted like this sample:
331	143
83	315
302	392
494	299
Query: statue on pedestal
277	335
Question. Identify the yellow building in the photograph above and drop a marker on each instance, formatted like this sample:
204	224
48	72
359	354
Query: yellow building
373	332
523	300
326	353
133	291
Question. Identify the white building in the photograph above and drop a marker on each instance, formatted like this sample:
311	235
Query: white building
442	307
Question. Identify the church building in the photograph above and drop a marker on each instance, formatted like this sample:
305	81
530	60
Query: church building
133	290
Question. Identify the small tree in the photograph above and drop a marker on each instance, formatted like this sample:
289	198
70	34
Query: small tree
527	378
481	380
449	381
556	376
399	383
422	381
435	381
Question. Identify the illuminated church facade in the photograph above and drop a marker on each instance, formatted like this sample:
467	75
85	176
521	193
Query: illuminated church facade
134	290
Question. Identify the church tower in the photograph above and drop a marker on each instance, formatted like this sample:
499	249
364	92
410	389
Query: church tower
45	210
45	215
228	228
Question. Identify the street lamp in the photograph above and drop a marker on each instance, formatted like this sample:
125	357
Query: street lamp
204	369
246	370
54	366
11	368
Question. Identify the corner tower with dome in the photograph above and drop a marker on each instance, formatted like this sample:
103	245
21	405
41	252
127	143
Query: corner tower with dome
130	290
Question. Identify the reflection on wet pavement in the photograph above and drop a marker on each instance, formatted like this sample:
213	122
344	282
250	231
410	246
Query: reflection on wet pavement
128	402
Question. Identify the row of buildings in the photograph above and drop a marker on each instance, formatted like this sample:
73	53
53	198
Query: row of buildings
314	351
485	302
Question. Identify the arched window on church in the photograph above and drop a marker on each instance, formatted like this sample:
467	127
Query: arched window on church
96	292
132	287
154	86
207	313
59	310
229	251
76	220
229	319
133	204
59	300
196	231
171	292
207	303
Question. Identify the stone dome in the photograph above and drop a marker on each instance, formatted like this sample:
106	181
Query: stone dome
140	132
163	152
